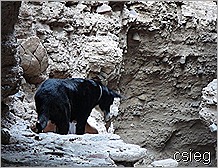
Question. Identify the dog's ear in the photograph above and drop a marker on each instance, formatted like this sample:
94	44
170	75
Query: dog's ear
97	80
122	97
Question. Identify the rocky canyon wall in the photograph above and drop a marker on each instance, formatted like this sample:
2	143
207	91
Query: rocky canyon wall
157	55
80	39
171	56
10	69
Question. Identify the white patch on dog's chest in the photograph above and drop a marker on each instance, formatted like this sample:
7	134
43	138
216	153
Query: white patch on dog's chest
114	108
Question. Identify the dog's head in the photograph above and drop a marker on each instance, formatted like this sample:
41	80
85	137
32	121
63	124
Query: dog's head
41	123
107	100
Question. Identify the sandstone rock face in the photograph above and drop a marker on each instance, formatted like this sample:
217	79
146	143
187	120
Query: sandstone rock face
208	110
158	55
79	42
170	58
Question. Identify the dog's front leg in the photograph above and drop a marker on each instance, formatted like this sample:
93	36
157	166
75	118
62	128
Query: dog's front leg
80	127
62	127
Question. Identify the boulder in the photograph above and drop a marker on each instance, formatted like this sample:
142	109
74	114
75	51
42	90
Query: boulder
34	59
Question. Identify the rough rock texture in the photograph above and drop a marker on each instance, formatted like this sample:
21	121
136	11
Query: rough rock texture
156	163
48	149
171	56
10	69
79	42
208	110
158	55
11	72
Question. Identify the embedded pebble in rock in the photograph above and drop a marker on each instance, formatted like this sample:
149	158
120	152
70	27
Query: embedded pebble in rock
103	8
165	163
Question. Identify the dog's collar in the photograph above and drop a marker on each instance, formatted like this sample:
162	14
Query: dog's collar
100	90
100	93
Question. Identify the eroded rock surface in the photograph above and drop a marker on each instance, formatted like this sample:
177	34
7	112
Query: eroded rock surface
158	55
49	149
208	110
170	58
81	40
11	71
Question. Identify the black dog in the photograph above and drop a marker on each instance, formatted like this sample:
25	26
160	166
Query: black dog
63	100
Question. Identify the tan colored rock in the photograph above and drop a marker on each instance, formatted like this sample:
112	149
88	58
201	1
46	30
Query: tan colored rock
34	59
